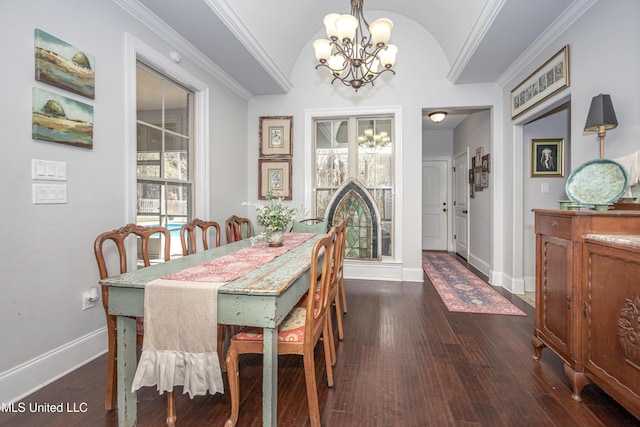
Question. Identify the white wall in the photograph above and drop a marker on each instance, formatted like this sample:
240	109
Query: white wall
46	255
420	83
475	132
604	57
554	126
437	143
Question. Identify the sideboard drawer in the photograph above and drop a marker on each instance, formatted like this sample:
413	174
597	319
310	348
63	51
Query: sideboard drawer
551	225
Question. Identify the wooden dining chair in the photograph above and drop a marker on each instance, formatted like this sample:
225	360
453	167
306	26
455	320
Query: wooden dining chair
188	233
118	238
298	334
342	243
237	228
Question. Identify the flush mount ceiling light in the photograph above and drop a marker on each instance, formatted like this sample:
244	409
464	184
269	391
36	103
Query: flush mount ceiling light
437	116
356	57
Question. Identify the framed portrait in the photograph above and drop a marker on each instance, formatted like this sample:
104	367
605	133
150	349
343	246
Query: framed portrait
276	136
547	158
275	176
550	78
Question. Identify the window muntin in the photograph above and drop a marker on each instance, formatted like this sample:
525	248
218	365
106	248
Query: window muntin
341	153
164	161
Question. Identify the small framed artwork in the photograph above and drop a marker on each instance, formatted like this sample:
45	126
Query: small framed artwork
479	153
276	136
484	179
485	163
544	82
478	178
57	118
62	65
275	176
471	176
547	158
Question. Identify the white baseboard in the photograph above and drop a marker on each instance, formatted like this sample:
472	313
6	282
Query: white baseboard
530	284
480	264
362	270
36	373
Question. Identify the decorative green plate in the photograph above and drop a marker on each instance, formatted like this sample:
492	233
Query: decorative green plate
597	182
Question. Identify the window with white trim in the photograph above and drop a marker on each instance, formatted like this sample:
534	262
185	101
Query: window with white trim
164	159
359	147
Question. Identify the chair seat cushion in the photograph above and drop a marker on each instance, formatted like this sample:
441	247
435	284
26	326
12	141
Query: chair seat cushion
290	330
319	227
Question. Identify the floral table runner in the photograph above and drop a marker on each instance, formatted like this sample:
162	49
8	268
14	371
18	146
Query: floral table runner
180	320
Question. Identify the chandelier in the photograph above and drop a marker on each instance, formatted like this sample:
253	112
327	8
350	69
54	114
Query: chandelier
355	57
372	142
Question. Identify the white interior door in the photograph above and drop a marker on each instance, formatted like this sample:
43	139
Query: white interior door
461	205
434	205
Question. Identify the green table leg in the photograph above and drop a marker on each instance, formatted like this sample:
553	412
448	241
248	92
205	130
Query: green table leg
126	365
270	379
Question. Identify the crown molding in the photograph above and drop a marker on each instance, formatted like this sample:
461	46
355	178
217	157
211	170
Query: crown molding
552	33
155	24
246	37
483	24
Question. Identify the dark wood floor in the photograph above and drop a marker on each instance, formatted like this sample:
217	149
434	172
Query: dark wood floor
405	361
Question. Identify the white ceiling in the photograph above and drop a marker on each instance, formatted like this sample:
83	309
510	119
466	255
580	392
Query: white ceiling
257	42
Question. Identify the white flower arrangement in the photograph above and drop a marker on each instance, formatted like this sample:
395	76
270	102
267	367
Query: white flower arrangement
272	214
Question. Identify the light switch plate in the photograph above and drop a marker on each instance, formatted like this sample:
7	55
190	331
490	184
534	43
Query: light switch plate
48	170
44	194
544	187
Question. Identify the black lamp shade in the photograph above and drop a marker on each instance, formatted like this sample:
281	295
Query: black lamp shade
601	114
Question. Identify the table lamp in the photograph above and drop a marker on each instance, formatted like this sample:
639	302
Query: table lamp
601	118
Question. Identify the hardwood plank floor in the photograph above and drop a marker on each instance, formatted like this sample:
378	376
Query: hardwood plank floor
405	361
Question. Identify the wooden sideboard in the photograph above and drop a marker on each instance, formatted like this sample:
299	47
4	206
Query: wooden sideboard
569	320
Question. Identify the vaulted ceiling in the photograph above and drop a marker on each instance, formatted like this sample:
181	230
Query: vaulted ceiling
256	43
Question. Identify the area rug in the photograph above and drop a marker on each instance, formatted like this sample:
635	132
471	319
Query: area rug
461	290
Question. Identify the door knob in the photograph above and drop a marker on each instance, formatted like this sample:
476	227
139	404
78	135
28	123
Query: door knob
444	210
464	211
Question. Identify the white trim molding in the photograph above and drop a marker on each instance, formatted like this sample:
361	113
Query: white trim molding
21	381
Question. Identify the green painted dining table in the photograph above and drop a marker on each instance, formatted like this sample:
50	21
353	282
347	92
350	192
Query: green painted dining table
262	297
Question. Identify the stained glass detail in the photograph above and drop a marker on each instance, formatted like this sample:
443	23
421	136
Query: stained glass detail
354	202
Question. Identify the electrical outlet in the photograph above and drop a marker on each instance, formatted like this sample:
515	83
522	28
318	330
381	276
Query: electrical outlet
544	188
86	304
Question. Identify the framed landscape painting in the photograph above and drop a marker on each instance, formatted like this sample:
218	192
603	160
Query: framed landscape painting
62	65
57	118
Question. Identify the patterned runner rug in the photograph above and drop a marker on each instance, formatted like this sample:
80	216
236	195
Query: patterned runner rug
461	290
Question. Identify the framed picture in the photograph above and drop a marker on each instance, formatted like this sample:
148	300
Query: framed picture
479	153
471	176
485	163
275	176
57	118
478	178
544	82
275	136
65	66
547	157
484	179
